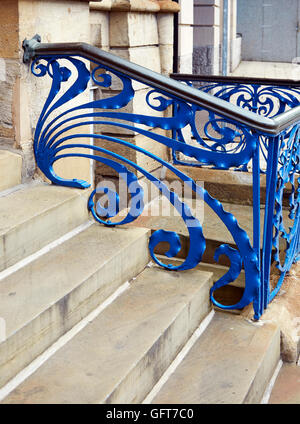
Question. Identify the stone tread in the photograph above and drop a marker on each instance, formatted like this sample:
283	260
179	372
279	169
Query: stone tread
10	169
39	214
231	363
122	353
160	215
48	296
286	389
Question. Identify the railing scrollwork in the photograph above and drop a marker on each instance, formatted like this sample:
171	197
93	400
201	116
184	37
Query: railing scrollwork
231	140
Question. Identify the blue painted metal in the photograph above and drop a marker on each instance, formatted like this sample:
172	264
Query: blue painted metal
227	144
281	154
265	100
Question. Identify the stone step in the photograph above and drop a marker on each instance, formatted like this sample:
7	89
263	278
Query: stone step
36	215
123	352
286	389
47	297
228	295
226	186
159	214
232	363
10	169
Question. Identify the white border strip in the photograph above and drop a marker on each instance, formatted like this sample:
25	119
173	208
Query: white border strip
268	391
62	341
179	358
8	271
19	187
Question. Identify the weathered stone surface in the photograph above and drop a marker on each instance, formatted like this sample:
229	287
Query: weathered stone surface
205	60
10	71
99	22
166	58
127	347
126	5
287	386
232	363
206	36
186	14
236	52
207	15
165	31
134	29
138	105
101	5
41	17
284	311
165	24
185	64
185	42
207	2
160	214
10	169
138	158
46	298
118	184
147	56
226	186
169	6
41	214
9	29
165	6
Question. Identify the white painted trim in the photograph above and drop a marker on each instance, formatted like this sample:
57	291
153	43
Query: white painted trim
8	271
179	358
268	391
18	187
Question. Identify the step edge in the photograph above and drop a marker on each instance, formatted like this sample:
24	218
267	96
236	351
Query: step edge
171	323
252	397
47	329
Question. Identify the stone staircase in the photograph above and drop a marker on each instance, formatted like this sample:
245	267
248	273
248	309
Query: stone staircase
85	317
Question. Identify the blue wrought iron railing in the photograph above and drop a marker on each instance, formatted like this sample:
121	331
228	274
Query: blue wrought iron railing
237	135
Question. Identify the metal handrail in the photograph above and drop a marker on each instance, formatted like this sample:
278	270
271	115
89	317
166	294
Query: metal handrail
34	48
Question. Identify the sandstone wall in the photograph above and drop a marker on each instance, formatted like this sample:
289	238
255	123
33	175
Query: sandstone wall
139	30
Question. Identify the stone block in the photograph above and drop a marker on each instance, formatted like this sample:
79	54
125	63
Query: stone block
185	64
206	36
41	214
10	169
206	60
185	40
133	29
186	14
50	295
9	27
165	22
207	2
99	22
236	52
207	15
147	56
166	58
137	105
138	158
127	347
55	21
10	70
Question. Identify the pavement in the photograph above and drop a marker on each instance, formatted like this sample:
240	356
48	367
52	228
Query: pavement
287	386
268	70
